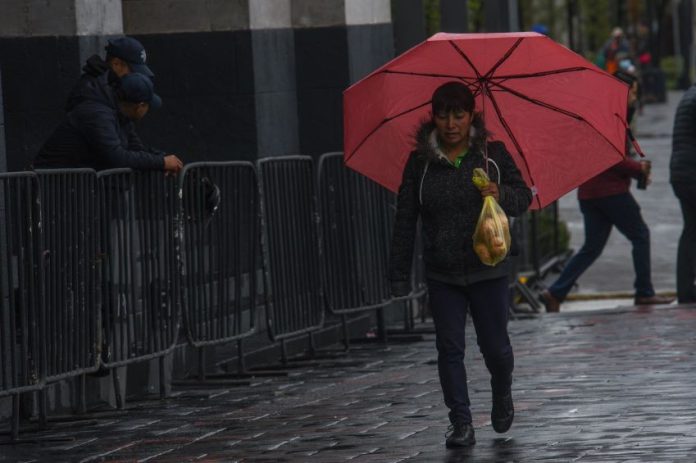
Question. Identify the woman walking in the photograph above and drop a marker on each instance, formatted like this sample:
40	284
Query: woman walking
437	187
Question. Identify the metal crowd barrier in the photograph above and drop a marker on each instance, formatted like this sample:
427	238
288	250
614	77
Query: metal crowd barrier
220	248
71	237
140	282
294	300
544	246
21	343
357	218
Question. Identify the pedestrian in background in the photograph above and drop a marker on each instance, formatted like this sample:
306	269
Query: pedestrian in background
682	172
606	202
614	50
437	187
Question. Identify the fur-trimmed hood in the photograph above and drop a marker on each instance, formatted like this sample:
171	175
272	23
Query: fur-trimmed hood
426	139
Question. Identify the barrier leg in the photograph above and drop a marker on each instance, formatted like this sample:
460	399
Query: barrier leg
312	350
14	433
241	365
381	326
346	335
117	389
201	363
283	352
162	379
80	395
43	409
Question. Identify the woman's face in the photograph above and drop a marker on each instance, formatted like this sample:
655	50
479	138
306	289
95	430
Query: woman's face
453	127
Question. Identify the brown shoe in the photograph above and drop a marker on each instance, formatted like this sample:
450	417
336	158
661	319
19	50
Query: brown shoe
653	300
552	304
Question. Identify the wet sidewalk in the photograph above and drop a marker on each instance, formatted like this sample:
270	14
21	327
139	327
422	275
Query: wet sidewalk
600	386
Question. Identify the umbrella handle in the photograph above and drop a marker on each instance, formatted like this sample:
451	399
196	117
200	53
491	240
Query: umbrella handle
635	144
629	132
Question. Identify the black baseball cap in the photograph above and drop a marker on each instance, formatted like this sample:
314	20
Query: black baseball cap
132	52
137	88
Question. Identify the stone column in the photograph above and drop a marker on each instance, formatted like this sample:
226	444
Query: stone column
337	42
454	15
501	16
202	58
3	151
409	24
275	88
42	46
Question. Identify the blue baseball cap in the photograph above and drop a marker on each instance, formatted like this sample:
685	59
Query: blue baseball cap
137	88
132	52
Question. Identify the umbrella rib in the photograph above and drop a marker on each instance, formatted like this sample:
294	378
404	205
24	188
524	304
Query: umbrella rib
468	80
538	102
381	124
542	73
466	58
503	58
514	140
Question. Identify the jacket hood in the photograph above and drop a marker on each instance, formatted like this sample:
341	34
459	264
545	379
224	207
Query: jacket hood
95	66
96	84
426	139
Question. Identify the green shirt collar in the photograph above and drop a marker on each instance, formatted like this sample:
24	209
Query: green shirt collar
458	161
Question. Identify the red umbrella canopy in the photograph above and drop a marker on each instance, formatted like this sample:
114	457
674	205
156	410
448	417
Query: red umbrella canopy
562	118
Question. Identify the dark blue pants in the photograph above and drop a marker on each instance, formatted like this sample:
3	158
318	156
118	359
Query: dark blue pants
600	215
686	252
488	303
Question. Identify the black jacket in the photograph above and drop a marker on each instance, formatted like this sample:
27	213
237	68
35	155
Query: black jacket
682	165
448	203
95	134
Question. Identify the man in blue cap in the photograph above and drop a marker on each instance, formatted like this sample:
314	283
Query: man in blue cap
98	132
100	76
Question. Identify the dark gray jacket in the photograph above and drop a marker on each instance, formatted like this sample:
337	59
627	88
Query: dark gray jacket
448	203
682	165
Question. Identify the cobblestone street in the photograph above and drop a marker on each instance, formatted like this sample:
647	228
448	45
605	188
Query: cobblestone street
607	386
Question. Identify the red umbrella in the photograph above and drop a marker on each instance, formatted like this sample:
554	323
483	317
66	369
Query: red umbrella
562	118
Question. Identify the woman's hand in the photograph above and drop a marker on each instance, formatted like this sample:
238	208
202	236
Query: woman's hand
491	190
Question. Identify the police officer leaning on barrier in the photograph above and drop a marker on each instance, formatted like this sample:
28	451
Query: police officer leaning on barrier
98	132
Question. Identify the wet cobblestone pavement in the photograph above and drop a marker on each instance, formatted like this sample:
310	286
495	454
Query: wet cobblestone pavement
599	386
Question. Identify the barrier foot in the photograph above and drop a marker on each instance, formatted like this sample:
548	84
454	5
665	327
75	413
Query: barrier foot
43	409
212	381
80	395
162	379
14	433
382	334
346	334
117	389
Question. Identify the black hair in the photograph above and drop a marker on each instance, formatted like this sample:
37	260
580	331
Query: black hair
452	96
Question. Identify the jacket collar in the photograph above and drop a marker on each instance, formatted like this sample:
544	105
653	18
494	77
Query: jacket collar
427	145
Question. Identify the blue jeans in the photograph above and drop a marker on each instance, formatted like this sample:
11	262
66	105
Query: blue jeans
600	215
488	302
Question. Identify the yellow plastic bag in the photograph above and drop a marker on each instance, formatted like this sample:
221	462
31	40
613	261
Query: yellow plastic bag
492	235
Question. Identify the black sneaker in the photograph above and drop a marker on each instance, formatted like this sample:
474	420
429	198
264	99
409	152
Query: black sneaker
502	412
460	435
